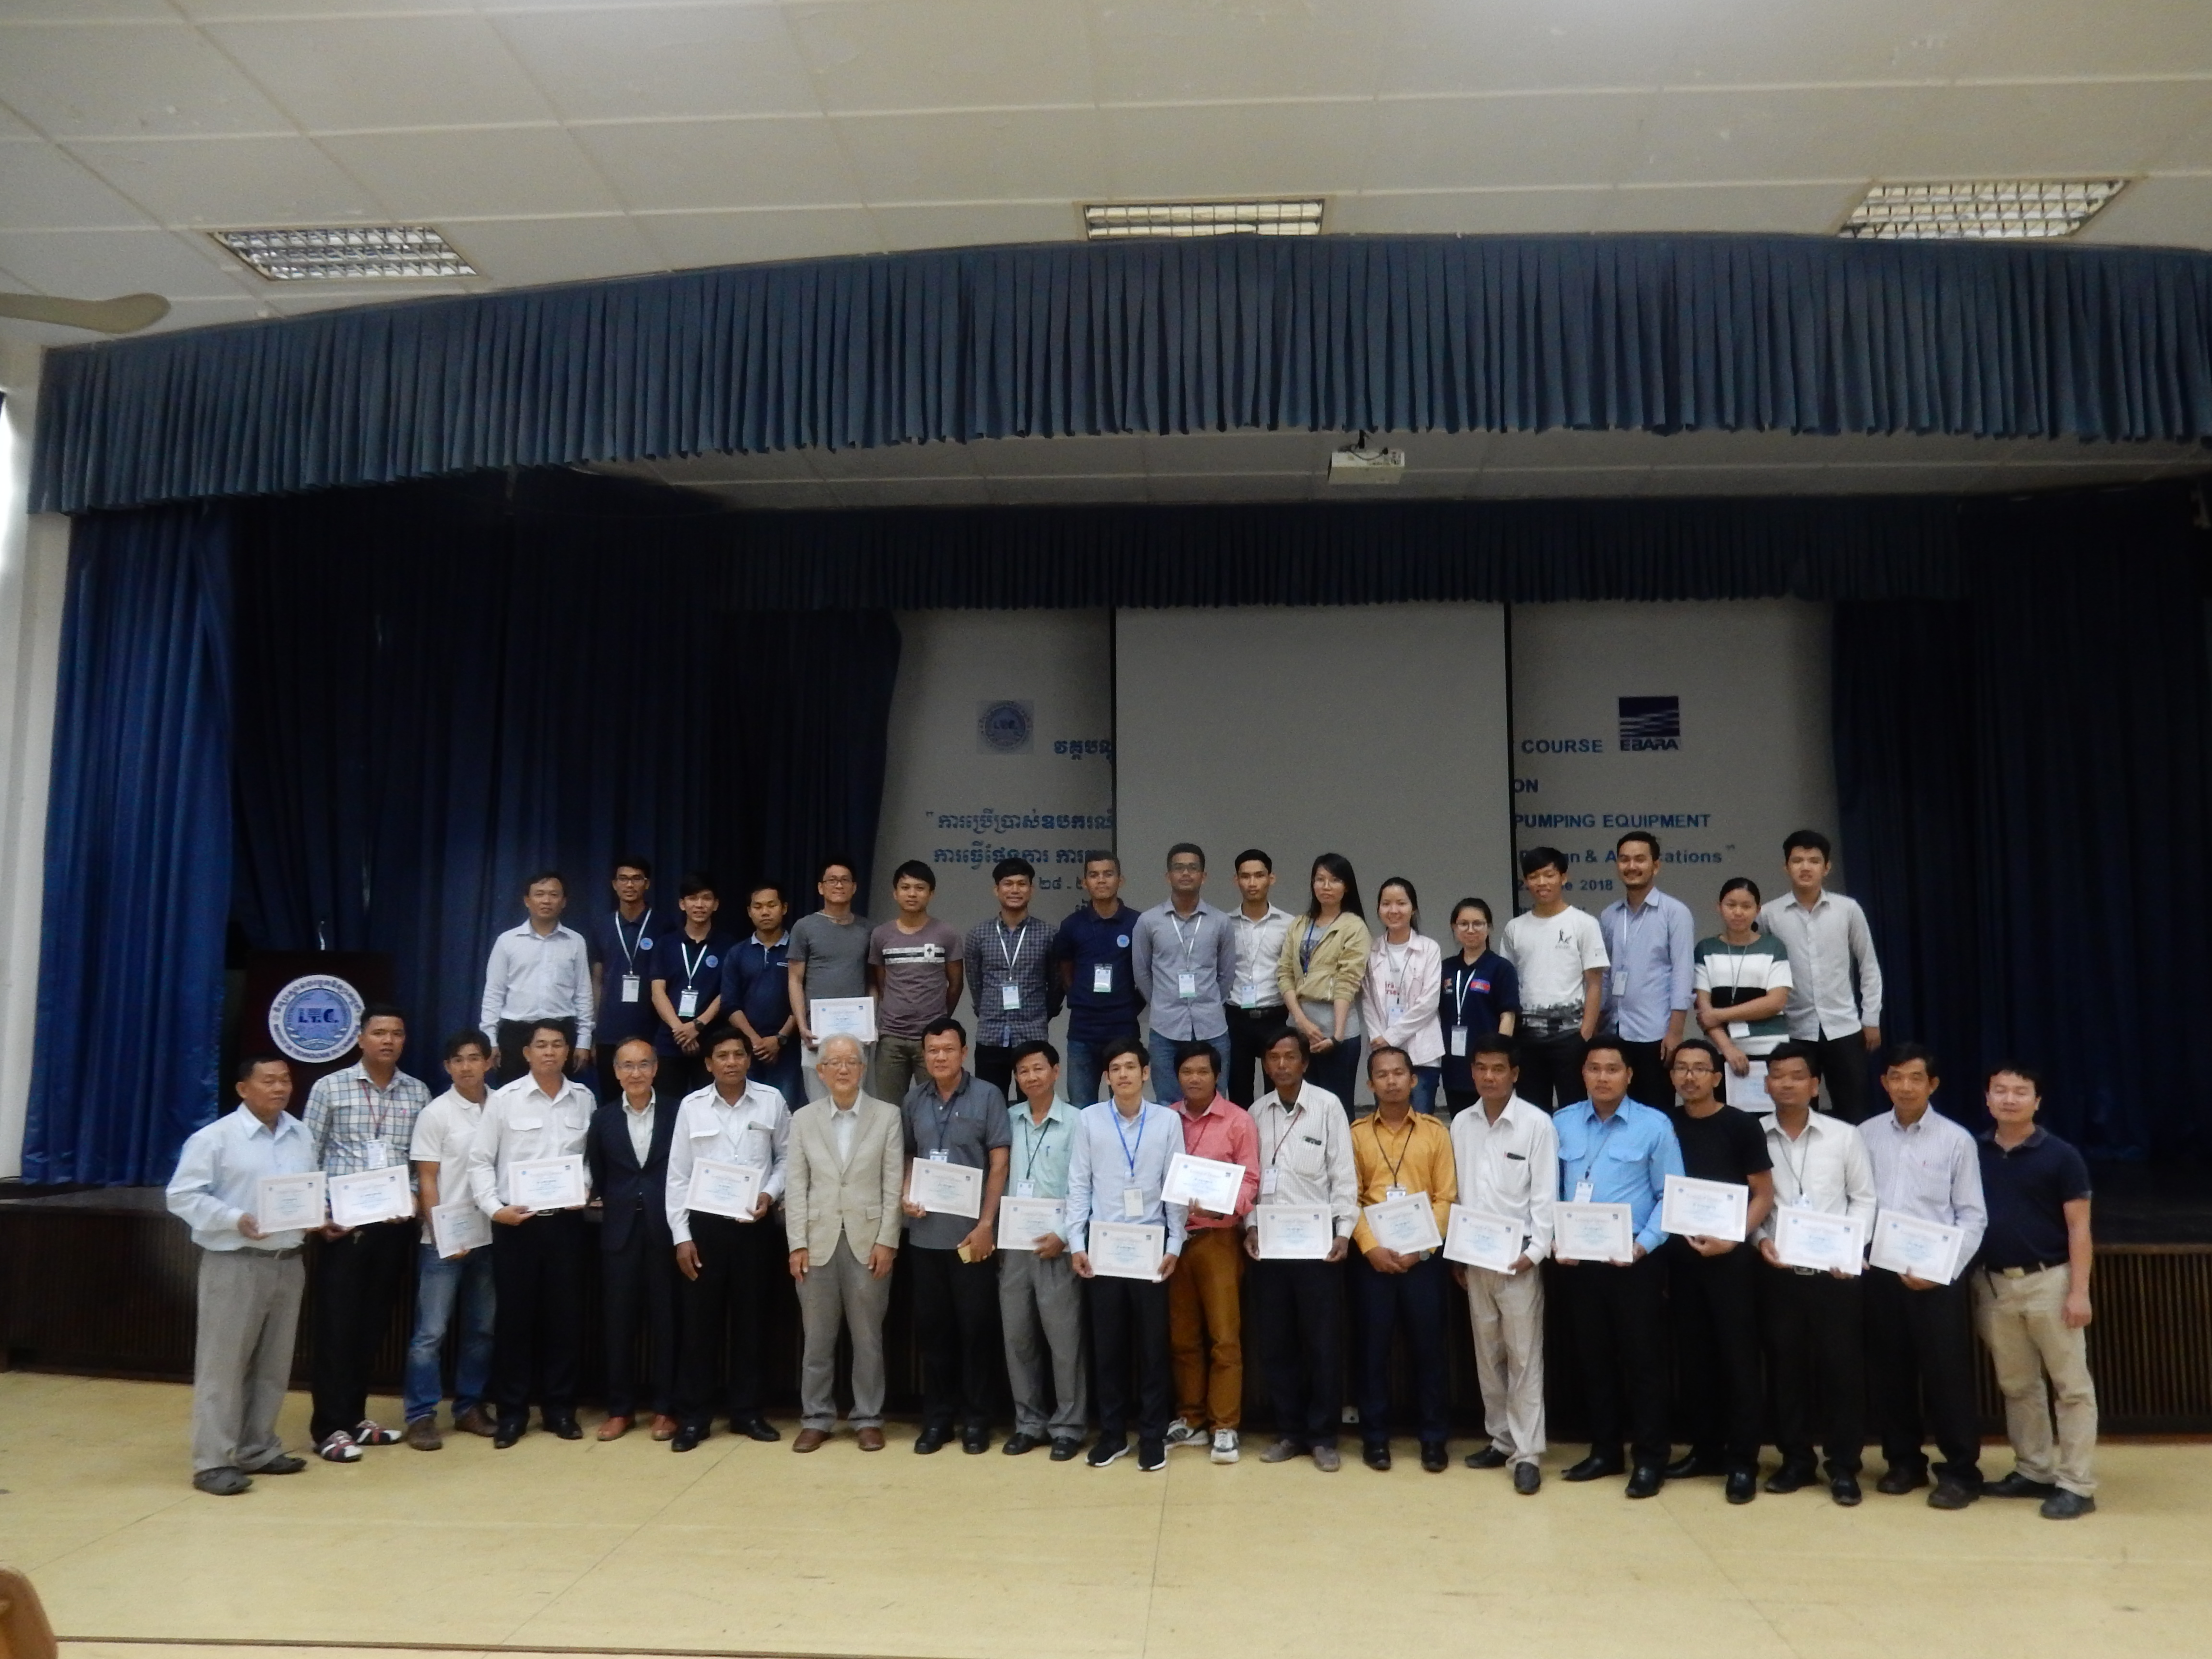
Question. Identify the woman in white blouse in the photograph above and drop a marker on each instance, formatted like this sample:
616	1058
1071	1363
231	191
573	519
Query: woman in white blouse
1398	1003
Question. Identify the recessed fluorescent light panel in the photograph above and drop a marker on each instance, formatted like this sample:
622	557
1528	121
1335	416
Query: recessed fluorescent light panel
347	253
1115	221
1984	209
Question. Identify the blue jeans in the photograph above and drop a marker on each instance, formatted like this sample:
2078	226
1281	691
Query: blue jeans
1427	1080
1080	1081
1166	1089
439	1286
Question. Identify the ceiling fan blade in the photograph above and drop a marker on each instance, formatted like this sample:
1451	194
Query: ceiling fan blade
126	315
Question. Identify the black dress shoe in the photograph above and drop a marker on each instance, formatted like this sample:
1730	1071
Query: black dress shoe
2017	1484
1791	1477
1900	1478
1020	1443
1743	1486
563	1428
1435	1458
1647	1480
1488	1458
755	1427
1598	1466
510	1430
1951	1494
932	1439
1377	1457
1527	1477
1698	1463
973	1441
688	1437
1845	1489
1065	1449
2063	1505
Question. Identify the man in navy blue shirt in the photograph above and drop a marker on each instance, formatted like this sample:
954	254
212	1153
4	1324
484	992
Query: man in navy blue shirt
687	982
757	994
1092	950
621	942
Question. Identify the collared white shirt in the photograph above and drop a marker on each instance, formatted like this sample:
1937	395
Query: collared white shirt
1400	997
522	1123
1835	977
534	975
1307	1148
844	1124
356	1126
640	1125
219	1173
1826	1169
1929	1168
442	1133
1510	1169
756	1130
1259	947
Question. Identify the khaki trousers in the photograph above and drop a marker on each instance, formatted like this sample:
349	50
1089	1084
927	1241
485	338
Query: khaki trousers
1508	1315
2022	1323
1203	1302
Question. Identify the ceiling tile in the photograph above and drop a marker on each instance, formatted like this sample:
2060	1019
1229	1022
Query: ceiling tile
2034	38
977	224
97	264
1468	212
128	79
1239	149
2171	210
1782	209
1801	42
944	54
692	241
648	60
14	127
2049	130
1457	143
1490	46
1798	133
1014	458
979	155
1160	50
491	172
777	161
48	189
383	72
84	11
231	181
574	249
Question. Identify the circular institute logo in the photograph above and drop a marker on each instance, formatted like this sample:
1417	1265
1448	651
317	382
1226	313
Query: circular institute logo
1005	727
315	1018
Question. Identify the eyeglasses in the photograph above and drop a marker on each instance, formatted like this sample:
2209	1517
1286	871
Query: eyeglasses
1186	868
1691	1068
837	881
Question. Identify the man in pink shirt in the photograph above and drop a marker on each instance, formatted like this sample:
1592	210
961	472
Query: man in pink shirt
1203	1297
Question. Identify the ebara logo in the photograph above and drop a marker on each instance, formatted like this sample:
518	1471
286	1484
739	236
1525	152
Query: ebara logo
316	1018
1650	723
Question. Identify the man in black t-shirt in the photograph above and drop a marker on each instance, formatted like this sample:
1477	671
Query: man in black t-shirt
1711	1290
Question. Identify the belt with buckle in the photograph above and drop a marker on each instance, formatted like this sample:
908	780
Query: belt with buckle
2024	1272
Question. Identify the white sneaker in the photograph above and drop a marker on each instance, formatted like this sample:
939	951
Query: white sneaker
1224	1445
1181	1433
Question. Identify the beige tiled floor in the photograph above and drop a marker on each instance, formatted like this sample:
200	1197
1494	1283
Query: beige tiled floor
744	1547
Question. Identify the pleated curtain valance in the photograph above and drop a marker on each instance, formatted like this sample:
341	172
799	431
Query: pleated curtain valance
1662	333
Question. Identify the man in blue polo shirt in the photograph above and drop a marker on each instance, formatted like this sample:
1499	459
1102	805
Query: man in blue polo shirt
620	942
757	994
686	983
1092	950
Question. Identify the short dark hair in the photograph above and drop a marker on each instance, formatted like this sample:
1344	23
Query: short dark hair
1904	1054
836	861
1496	1043
1540	858
1035	1045
1741	884
1643	836
940	1026
383	1010
722	1031
696	882
554	876
1253	855
916	870
769	884
1191	848
1100	855
1812	838
1194	1050
1707	1049
1121	1046
1471	902
1807	1052
1391	1049
1287	1034
249	1064
467	1035
1612	1045
548	1023
1006	867
2030	1075
640	865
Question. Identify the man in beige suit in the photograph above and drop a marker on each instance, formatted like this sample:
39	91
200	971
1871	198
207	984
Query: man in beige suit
841	1219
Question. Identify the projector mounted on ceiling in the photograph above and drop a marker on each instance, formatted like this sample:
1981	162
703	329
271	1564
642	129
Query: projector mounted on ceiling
1356	464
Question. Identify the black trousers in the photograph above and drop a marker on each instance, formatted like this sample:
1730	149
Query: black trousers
1411	1302
994	1065
638	1285
723	1306
1920	1359
1815	1327
1844	1070
1129	1333
1248	1028
1551	1069
1714	1301
1648	1082
1619	1318
538	1321
1299	1309
956	1319
1458	1100
513	1036
1337	1070
357	1279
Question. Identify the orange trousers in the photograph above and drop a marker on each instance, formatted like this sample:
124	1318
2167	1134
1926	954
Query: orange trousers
1202	1303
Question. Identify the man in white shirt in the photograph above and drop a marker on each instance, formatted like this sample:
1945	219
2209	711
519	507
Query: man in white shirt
540	970
251	1279
1305	1158
1507	1156
1835	993
1254	1007
1814	1320
445	1287
537	1256
726	1261
1559	953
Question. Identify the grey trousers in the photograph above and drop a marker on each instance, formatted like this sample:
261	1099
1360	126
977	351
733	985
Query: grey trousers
1041	1306
841	1292
249	1311
1508	1315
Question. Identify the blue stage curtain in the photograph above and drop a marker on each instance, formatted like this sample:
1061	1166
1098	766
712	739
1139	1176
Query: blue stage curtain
2024	792
1508	333
137	859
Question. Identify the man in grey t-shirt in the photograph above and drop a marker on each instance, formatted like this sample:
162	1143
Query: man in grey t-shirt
914	969
829	958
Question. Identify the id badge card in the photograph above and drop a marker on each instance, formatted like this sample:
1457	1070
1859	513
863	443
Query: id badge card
1101	979
1025	1189
687	1004
1396	1014
1010	997
1132	1204
379	1154
629	988
1459	1041
1392	1192
1582	1191
1270	1180
937	1155
1187	987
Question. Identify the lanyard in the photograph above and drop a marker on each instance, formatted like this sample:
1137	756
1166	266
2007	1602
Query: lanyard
1805	1152
1291	1114
692	963
1597	1146
1130	1155
1463	980
1404	1146
629	945
1306	949
1190	941
1035	1133
1021	937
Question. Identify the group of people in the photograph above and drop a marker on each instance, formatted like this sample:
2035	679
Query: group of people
1577	1060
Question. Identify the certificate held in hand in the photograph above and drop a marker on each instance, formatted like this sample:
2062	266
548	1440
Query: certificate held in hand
457	1227
289	1203
1127	1249
730	1189
1294	1232
367	1196
947	1188
1023	1223
1815	1239
1479	1239
1205	1182
1407	1225
1593	1233
1925	1250
538	1184
1705	1209
852	1017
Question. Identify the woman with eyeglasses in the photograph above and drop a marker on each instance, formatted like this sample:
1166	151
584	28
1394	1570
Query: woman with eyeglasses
1398	1003
1323	963
1480	996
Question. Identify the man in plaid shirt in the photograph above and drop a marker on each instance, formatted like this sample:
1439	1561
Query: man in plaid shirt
361	1118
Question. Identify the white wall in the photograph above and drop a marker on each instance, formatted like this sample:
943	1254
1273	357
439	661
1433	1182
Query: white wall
34	577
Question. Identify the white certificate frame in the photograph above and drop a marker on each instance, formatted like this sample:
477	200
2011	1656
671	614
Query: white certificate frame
1202	1181
1894	1246
1406	1224
1686	1204
852	1017
1127	1249
369	1196
1480	1238
295	1197
944	1188
457	1227
1610	1228
732	1190
1294	1232
1796	1229
1023	1223
563	1178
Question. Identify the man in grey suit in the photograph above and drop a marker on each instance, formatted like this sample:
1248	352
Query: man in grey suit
842	1219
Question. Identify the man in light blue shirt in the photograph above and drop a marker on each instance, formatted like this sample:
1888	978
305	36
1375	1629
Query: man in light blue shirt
1183	954
1652	944
251	1279
1614	1150
1115	1170
1040	1299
